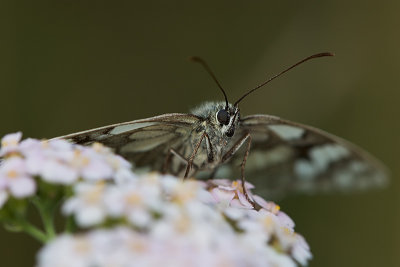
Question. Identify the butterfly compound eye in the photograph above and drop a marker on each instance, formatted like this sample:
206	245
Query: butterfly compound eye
223	117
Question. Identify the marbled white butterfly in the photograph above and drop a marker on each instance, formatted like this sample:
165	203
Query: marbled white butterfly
216	141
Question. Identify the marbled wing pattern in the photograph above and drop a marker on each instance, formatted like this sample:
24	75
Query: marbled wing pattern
144	142
284	156
290	157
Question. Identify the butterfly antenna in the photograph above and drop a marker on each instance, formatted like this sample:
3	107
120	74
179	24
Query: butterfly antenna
326	54
202	62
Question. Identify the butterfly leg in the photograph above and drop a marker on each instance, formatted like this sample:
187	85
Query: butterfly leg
172	152
191	159
231	152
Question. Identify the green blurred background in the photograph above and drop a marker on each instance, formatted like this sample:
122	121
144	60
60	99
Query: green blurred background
73	65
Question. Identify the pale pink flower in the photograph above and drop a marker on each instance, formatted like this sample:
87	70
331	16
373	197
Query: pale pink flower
231	193
275	209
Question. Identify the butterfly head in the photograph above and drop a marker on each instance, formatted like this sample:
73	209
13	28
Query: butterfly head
227	119
223	119
226	114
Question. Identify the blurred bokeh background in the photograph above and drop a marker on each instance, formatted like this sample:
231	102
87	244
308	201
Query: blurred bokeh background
73	65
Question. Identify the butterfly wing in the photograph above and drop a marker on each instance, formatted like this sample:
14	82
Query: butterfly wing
143	142
290	157
284	156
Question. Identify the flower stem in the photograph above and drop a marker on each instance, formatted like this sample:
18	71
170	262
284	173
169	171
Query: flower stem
33	231
70	226
46	211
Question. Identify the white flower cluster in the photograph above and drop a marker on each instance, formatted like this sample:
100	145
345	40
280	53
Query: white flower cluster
124	247
171	222
55	162
150	220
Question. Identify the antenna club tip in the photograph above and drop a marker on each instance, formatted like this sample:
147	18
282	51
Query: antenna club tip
328	54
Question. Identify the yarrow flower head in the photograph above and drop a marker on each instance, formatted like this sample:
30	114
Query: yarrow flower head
122	246
55	162
164	213
118	218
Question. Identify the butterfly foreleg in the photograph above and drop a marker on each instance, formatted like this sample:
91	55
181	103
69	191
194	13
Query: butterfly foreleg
236	147
231	152
191	159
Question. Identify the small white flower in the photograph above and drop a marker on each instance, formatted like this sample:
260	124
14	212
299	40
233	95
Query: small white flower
182	191
66	251
29	145
54	171
15	179
9	143
88	206
90	164
301	250
131	202
124	175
